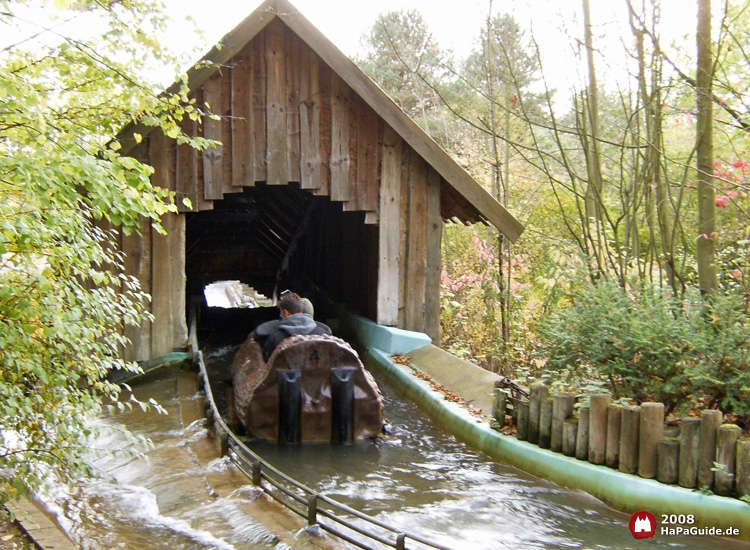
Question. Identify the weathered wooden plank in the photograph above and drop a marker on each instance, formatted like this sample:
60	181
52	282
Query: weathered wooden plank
324	128
137	263
340	126
406	166
416	228
309	112
186	171
367	158
226	131
162	158
175	226
258	67
433	258
292	106
212	156
243	138
353	202
276	153
161	337
389	230
372	218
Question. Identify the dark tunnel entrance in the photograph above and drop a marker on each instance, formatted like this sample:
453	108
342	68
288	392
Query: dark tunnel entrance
273	238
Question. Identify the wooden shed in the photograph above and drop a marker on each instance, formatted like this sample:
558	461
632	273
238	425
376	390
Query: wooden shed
319	176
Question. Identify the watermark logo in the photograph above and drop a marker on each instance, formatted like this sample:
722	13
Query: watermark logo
642	525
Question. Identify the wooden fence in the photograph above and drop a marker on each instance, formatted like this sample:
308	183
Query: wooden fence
702	453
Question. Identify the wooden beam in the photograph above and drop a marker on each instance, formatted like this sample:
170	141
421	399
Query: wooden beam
353	203
434	259
293	105
212	156
324	128
340	158
186	171
416	234
276	104
368	176
309	111
258	64
226	131
389	230
243	138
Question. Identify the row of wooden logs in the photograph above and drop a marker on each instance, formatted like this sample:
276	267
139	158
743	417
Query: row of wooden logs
702	453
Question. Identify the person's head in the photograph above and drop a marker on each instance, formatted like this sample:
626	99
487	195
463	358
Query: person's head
307	307
290	304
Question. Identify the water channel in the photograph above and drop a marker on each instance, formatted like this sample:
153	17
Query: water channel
424	481
419	478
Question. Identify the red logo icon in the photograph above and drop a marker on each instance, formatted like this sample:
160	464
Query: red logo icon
642	525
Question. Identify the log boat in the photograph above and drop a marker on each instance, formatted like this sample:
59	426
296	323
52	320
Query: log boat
312	389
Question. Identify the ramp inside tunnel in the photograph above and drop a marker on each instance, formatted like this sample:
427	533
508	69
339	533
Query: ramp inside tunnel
273	238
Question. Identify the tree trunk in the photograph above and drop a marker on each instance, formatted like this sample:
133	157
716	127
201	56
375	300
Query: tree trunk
705	155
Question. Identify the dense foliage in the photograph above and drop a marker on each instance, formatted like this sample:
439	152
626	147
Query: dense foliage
65	192
645	344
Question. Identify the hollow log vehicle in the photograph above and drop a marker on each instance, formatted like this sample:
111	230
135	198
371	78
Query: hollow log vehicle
312	389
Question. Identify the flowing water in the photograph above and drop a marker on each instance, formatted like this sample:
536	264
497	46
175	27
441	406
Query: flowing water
419	479
426	482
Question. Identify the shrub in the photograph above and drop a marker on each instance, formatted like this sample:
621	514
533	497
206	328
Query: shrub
645	344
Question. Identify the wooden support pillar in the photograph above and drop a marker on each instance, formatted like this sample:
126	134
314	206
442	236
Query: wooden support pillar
726	455
545	423
614	423
539	392
689	447
651	432
522	421
629	428
582	438
390	230
562	408
569	433
598	427
743	467
499	404
710	422
668	451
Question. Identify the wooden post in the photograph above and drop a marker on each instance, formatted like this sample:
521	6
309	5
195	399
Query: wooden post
570	430
668	451
582	438
689	447
545	423
598	427
539	392
522	421
629	427
614	423
710	422
743	467
498	406
651	431
726	455
562	408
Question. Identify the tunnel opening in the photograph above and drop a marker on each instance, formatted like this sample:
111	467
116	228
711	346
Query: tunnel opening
274	238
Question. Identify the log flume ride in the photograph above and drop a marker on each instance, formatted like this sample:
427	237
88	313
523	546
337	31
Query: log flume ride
314	355
312	389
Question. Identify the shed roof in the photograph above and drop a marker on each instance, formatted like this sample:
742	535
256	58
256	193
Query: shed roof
485	207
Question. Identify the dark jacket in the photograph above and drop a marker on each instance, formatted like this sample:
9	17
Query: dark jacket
299	323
